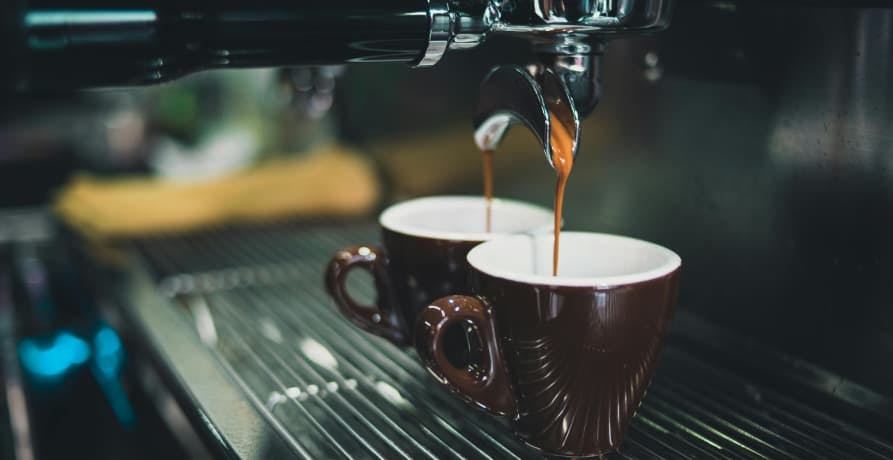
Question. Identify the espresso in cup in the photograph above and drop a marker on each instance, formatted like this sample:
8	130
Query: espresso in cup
425	243
567	357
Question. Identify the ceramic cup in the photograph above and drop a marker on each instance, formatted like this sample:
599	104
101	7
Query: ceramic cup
568	357
425	242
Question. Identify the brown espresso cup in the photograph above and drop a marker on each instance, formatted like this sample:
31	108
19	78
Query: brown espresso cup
568	357
425	241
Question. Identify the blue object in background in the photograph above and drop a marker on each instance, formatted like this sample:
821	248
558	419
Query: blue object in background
107	352
108	360
49	359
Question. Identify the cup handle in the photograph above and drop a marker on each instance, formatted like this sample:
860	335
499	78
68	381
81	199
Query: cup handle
488	385
379	319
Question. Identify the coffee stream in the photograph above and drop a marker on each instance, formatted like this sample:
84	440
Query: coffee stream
488	186
561	142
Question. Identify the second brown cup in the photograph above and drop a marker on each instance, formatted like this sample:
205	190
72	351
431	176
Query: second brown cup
568	357
425	241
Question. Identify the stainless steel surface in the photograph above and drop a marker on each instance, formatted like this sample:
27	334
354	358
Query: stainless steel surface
567	36
24	225
561	26
218	405
581	74
598	16
439	33
272	341
511	96
311	89
21	443
19	230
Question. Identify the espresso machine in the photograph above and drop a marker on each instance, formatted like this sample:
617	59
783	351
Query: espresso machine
54	46
749	137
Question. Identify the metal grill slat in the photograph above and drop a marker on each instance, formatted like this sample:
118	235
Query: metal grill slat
326	311
252	277
411	379
307	369
764	423
738	422
793	414
313	415
356	431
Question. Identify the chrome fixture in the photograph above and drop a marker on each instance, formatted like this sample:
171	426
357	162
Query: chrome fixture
568	37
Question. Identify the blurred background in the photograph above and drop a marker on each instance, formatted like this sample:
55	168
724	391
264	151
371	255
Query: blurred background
752	139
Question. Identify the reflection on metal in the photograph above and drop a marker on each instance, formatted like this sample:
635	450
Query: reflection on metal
391	394
27	225
537	99
310	90
440	32
318	353
295	393
63	18
695	407
269	330
13	387
204	321
274	399
653	70
836	106
603	16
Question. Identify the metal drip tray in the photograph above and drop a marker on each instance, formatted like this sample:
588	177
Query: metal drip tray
252	302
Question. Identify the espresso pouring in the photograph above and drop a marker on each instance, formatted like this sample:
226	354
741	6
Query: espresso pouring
561	142
488	186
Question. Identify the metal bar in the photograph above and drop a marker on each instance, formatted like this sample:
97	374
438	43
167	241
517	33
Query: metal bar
856	440
308	370
657	442
412	378
310	418
469	443
694	409
749	416
23	447
361	376
411	382
299	449
684	434
707	429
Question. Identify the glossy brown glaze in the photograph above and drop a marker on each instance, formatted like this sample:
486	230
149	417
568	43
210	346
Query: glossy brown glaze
486	384
422	269
409	272
380	319
578	359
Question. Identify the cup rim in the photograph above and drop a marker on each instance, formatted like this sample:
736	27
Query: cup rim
671	263
392	217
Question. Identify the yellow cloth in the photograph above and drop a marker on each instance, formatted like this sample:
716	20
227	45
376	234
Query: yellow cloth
333	182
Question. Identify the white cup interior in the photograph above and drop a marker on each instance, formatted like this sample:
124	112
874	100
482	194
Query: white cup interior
585	259
465	218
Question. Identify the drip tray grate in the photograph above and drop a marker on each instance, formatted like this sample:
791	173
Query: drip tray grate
331	391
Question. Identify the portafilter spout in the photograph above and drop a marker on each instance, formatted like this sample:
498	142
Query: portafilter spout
561	91
568	37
